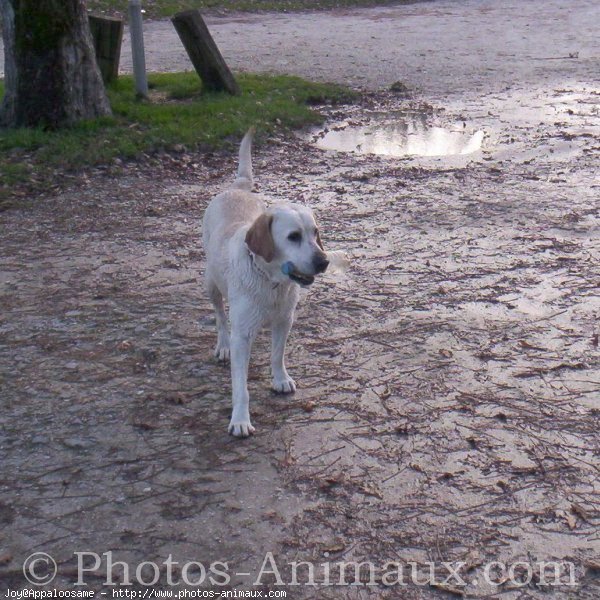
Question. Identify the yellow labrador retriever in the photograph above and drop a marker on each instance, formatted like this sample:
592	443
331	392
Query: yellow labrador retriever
256	259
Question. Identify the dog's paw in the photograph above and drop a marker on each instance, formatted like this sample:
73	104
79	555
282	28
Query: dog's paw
284	385
222	353
241	428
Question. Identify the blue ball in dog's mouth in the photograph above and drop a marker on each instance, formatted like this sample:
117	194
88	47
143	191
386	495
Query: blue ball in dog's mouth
289	268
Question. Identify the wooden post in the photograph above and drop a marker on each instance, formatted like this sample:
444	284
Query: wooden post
203	52
107	34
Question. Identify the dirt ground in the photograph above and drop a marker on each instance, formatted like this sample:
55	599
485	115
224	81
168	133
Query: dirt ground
449	383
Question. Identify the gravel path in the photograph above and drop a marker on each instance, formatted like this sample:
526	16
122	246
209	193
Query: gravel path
442	48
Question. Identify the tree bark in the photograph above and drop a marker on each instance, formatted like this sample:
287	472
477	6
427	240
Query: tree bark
51	76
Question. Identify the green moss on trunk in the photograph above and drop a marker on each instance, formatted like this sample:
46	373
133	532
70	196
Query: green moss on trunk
40	25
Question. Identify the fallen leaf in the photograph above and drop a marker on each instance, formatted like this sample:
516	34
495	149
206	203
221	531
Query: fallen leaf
570	519
578	510
308	406
370	490
472	559
386	393
451	589
526	344
124	345
177	399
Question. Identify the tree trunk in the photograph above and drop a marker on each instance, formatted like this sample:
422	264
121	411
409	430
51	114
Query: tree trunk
51	76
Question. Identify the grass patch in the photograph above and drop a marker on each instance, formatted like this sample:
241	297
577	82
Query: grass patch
177	114
159	9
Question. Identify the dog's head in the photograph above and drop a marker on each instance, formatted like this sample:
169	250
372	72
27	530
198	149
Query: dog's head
286	239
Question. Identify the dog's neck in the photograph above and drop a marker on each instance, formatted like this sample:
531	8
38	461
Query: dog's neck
260	270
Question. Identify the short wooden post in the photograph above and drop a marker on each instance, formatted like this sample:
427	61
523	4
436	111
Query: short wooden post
107	34
204	53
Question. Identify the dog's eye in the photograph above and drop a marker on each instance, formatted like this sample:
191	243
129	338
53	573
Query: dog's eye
295	236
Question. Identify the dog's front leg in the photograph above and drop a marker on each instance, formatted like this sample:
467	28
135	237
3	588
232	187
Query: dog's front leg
243	333
282	382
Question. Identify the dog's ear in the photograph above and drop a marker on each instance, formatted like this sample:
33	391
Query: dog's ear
319	242
259	238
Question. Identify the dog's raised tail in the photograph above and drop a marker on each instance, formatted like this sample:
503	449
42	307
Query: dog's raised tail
244	178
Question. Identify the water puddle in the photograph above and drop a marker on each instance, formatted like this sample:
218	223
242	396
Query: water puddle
399	134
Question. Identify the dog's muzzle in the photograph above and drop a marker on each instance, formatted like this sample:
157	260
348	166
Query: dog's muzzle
320	263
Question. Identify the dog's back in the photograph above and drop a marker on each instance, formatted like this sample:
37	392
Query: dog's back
229	211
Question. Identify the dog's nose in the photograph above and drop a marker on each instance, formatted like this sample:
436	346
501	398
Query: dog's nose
320	263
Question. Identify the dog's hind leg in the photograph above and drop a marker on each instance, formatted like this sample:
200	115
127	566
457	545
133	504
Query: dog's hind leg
222	351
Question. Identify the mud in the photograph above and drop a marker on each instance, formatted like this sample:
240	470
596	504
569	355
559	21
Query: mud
449	382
